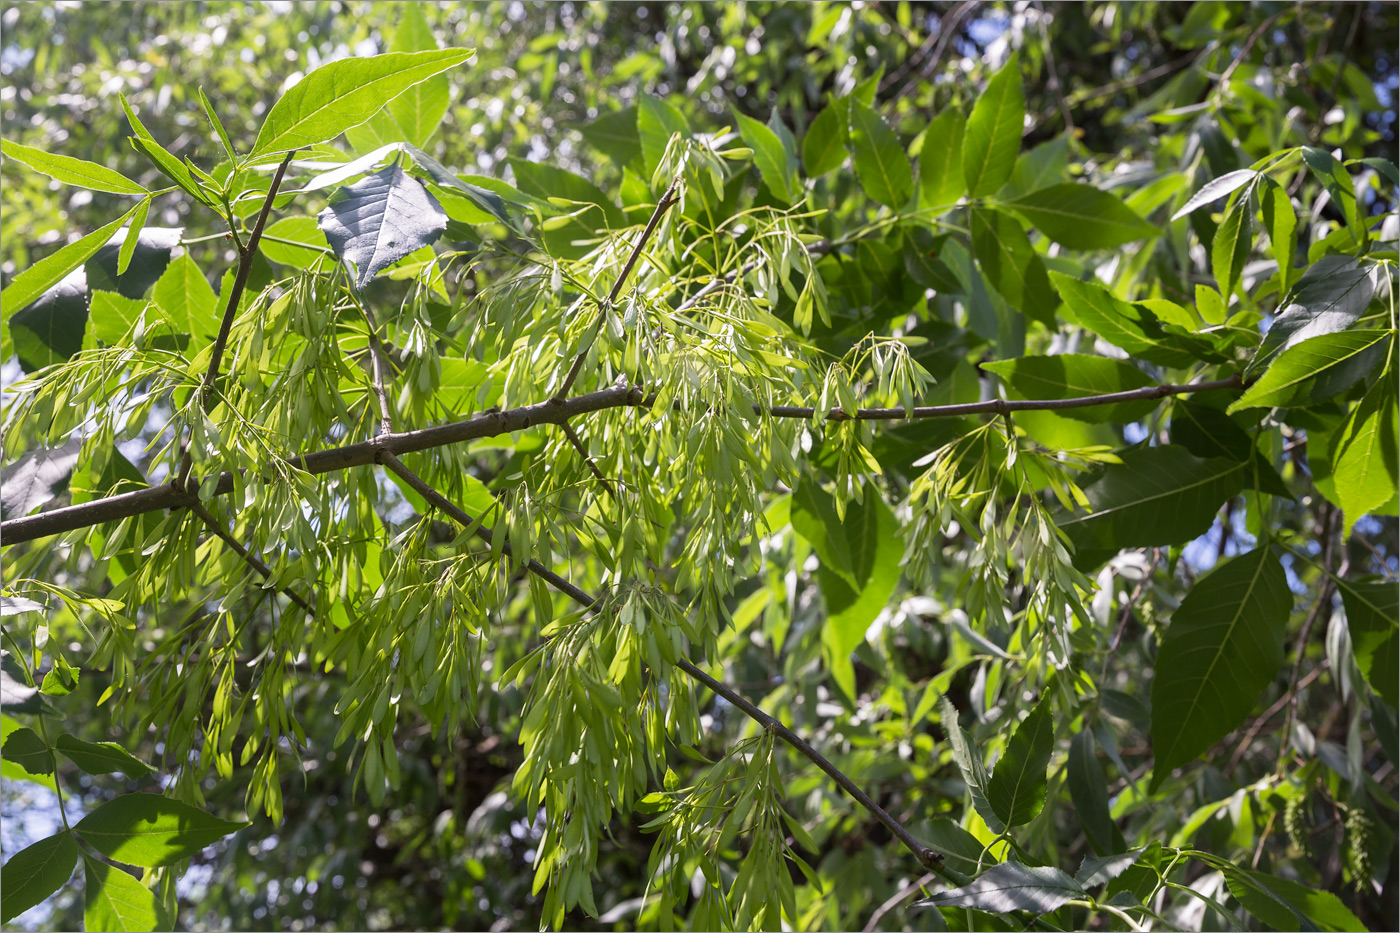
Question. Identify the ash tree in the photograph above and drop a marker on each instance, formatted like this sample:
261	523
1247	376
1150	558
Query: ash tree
830	479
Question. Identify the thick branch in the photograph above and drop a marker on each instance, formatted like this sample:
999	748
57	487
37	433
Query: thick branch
927	857
491	424
667	199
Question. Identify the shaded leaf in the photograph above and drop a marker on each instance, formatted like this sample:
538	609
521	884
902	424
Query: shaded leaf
1016	790
49	271
101	757
36	477
1011	264
1011	886
1089	792
969	762
378	221
1230	248
614	134
1133	327
1157	496
657	122
1287	905
1223	647
1096	871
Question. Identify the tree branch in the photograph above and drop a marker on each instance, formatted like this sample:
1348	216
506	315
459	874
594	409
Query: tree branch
553	411
577	441
667	199
928	858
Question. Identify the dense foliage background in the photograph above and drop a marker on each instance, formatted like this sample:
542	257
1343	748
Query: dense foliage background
893	590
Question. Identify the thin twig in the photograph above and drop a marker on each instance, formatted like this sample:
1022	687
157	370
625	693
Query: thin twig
1324	601
667	199
947	29
379	368
1270	713
899	897
251	559
927	857
553	411
577	441
240	281
1249	44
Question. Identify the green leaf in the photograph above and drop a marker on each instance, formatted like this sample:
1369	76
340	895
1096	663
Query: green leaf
768	155
1011	886
1282	224
1364	454
26	749
53	328
36	872
657	122
1096	871
132	239
993	136
1089	792
346	93
302	229
1316	369
1331	296
189	302
814	518
824	146
1037	168
115	901
218	125
101	757
71	171
1012	265
1016	790
1230	248
173	168
1210	432
1287	905
112	316
969	762
1223	647
1082	217
1072	375
1132	327
615	135
1373	618
381	219
872	538
1215	189
419	110
151	830
49	271
941	180
1156	496
547	181
881	165
1337	180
